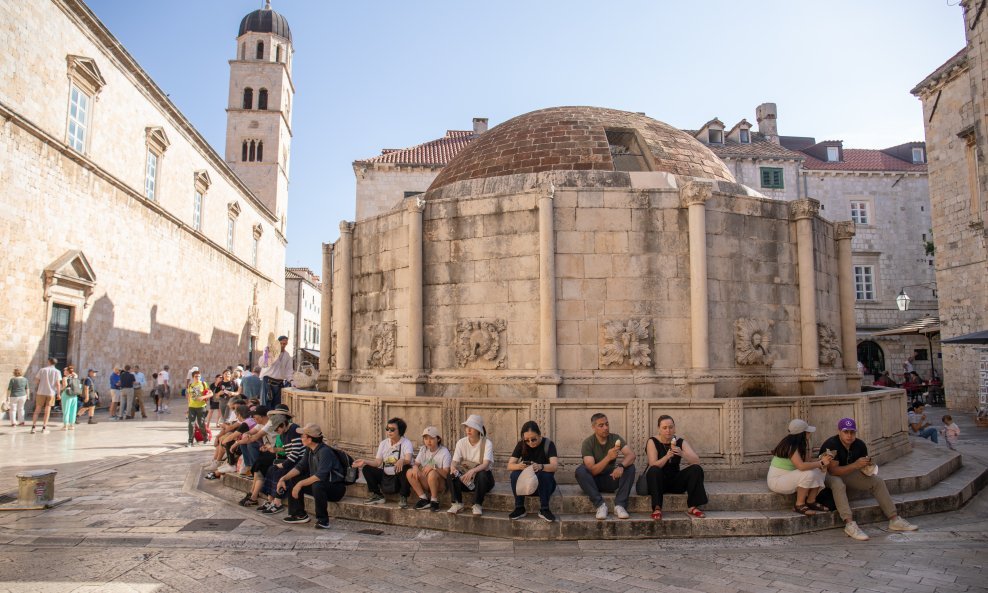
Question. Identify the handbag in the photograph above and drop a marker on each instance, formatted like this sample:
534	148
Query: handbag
4	406
389	484
528	482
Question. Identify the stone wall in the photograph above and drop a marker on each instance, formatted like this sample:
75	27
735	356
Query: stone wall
381	187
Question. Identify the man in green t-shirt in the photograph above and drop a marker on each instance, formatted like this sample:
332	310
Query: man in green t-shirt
602	471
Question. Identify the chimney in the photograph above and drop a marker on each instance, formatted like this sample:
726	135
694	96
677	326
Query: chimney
479	125
766	114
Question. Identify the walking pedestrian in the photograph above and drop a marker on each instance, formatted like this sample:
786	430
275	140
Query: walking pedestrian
164	390
197	394
47	383
17	392
140	382
127	381
71	390
90	397
115	394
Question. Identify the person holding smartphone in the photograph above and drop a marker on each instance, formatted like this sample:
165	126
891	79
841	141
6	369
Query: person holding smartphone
852	467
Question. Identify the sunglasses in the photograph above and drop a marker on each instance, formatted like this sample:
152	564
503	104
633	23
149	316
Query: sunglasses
390	429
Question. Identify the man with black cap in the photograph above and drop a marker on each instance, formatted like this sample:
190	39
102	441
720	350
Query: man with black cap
852	468
276	372
89	397
323	479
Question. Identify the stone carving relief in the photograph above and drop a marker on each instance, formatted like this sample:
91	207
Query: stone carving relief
332	352
479	342
626	342
383	338
827	344
753	342
695	192
254	316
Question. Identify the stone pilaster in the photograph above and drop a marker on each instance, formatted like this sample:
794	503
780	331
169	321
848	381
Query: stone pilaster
694	196
548	379
844	232
326	318
414	382
343	309
810	379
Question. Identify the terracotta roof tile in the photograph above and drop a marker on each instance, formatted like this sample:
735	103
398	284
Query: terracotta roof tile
436	152
863	159
759	147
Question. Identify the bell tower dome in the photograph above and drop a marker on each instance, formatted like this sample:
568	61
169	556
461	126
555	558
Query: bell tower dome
259	110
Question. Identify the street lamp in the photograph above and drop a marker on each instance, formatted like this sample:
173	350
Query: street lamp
902	300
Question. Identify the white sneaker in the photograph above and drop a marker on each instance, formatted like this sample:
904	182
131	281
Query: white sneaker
854	532
212	465
602	511
478	510
621	512
454	508
900	524
226	468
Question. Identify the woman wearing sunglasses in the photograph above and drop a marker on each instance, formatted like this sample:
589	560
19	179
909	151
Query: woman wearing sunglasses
538	452
386	472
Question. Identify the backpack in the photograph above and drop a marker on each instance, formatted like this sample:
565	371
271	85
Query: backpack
74	386
203	437
350	473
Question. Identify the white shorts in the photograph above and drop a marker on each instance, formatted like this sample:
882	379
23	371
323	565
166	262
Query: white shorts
784	481
115	396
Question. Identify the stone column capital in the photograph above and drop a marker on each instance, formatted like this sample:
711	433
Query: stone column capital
548	194
695	192
327	248
416	206
844	230
805	208
346	227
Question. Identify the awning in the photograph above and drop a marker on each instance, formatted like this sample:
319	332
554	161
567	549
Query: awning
924	325
311	352
980	337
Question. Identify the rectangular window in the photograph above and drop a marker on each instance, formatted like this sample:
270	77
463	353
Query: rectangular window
151	175
78	118
918	155
864	283
745	136
833	154
197	211
859	213
230	229
772	178
715	136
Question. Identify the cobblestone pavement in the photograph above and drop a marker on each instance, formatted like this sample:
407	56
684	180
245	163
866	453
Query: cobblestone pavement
134	487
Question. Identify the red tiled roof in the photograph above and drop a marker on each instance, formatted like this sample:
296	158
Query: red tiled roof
759	147
436	152
863	159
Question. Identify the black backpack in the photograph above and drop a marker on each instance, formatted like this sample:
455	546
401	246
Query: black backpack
350	473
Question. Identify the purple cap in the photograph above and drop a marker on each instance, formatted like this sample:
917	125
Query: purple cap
847	424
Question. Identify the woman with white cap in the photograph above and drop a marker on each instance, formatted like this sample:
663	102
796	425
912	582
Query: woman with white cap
792	470
473	459
427	477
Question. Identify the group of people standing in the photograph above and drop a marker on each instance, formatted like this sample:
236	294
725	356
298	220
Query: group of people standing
78	396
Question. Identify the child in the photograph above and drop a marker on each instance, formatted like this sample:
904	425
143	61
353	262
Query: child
951	431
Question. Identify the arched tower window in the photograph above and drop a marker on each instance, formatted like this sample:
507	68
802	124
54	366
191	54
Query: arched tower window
253	151
277	53
248	98
262	99
260	151
260	50
243	155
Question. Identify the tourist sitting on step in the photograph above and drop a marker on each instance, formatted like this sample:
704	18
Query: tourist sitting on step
852	468
386	472
602	471
538	453
473	460
319	474
288	450
920	425
224	457
664	474
249	444
429	471
266	457
792	470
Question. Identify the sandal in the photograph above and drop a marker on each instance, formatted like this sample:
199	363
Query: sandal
805	509
657	515
816	506
695	512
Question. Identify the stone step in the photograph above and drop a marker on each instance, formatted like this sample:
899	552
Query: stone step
576	521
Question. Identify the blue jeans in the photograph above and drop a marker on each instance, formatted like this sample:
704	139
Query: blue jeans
250	451
547	485
929	433
593	485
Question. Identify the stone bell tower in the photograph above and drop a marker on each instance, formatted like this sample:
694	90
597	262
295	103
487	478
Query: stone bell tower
259	110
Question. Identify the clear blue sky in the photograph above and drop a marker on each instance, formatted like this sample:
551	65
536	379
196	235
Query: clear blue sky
373	75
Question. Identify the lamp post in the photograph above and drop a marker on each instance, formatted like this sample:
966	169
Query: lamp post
902	300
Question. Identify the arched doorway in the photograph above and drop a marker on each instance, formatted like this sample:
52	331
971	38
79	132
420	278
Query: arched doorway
871	356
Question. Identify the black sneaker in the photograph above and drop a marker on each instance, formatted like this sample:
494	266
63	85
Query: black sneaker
322	524
422	504
273	509
518	513
303	518
247	501
546	515
263	507
434	506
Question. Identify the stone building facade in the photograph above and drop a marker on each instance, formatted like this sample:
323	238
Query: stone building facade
955	103
118	217
303	303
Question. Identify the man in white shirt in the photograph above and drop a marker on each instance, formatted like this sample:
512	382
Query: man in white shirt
139	385
48	382
164	388
276	372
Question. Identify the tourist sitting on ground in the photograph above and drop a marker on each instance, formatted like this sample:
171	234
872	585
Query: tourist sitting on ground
266	456
473	460
89	398
665	474
288	450
386	472
603	471
317	473
197	394
852	468
429	471
792	470
951	432
919	425
537	453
